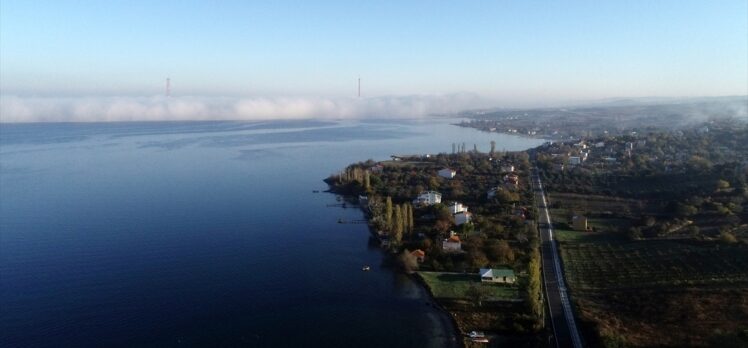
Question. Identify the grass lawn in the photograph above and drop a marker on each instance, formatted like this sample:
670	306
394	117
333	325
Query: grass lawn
564	235
454	285
611	223
569	235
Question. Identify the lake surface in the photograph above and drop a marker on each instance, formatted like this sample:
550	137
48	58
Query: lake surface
204	234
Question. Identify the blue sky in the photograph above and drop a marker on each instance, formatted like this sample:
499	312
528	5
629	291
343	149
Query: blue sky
512	52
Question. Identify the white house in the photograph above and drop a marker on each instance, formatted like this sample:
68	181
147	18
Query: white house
463	217
492	275
507	168
447	173
452	244
457	208
575	160
428	198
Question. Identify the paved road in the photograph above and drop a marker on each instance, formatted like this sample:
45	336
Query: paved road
562	317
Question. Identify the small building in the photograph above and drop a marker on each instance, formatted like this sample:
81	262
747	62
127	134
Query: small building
428	198
507	168
585	154
452	244
447	173
377	168
579	223
457	208
511	179
463	218
363	200
419	254
575	160
493	275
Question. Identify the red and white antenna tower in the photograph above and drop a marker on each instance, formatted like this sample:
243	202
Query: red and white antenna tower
168	87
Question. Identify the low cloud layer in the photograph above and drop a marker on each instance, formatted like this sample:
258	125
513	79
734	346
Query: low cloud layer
15	109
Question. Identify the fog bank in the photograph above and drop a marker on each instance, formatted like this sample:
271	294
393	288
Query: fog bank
14	109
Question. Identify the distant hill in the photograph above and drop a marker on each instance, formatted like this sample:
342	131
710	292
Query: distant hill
612	116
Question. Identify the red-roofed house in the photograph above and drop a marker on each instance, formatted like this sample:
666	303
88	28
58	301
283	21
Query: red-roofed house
452	244
419	255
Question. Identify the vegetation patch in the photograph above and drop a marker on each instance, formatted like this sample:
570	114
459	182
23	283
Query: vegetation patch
467	287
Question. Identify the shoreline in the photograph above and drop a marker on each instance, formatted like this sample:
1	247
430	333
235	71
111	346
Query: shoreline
457	330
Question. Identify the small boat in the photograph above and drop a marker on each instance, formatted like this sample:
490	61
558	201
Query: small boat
476	334
365	268
479	340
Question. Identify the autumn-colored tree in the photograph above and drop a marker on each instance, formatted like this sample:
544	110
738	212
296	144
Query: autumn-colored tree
411	222
367	181
388	213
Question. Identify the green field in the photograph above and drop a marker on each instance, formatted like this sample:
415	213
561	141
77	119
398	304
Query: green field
566	235
563	235
454	286
631	264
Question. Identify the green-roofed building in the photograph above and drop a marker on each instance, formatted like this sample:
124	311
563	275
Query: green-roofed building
493	275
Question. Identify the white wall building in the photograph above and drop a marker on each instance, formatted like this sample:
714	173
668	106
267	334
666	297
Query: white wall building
447	173
452	244
457	208
463	218
428	198
492	275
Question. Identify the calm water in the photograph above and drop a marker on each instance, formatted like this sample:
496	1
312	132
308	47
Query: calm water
203	233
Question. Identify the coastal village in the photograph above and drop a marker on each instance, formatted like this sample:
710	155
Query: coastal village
642	221
464	225
652	227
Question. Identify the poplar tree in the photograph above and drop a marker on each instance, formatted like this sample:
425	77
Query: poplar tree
409	216
534	287
388	213
398	230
